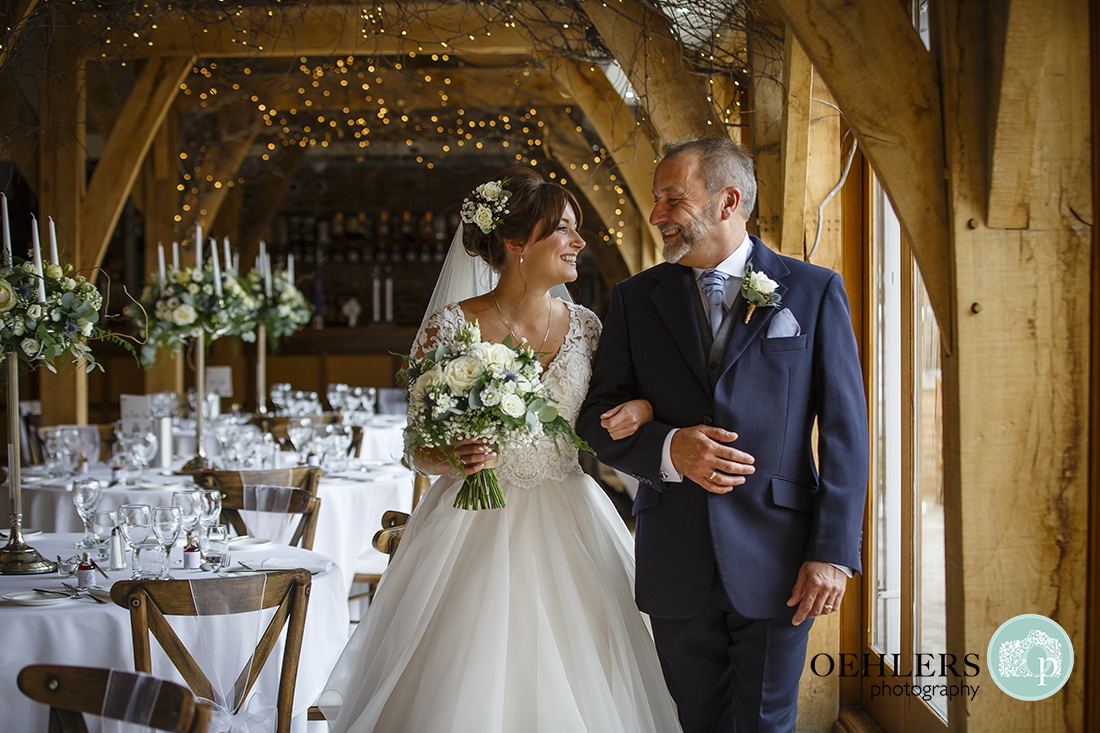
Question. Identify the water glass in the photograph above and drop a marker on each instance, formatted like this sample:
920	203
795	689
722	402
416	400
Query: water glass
142	448
150	562
211	507
136	523
86	494
299	430
216	546
189	504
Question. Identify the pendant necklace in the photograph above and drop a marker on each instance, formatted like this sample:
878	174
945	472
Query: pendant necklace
549	315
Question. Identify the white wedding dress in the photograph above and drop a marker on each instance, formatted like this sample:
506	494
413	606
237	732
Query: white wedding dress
513	620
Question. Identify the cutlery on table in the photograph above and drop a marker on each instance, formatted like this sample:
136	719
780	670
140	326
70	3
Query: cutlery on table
52	592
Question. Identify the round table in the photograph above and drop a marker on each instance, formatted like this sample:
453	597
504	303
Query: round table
84	633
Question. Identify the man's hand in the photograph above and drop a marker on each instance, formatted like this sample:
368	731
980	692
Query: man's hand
623	420
818	590
699	454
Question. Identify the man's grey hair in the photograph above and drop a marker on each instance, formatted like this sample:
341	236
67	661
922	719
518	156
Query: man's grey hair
722	163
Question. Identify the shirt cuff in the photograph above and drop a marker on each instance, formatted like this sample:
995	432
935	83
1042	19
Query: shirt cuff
847	571
669	474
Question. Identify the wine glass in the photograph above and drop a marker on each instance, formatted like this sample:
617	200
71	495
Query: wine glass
299	430
86	493
167	522
163	404
190	506
369	398
217	546
143	448
103	523
211	507
135	521
84	439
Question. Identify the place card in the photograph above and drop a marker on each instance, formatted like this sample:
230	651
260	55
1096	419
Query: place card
219	381
136	415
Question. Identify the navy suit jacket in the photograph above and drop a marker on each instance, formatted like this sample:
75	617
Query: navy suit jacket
769	391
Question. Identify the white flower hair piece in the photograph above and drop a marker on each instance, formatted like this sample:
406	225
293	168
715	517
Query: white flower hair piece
486	205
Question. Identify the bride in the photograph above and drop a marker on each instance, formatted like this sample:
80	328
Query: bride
519	619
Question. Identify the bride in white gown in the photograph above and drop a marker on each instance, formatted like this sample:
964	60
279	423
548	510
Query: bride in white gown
519	619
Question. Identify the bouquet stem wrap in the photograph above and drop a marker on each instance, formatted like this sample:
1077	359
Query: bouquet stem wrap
480	490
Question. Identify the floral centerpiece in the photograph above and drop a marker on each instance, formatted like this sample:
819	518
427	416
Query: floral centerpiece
481	391
184	305
40	327
284	311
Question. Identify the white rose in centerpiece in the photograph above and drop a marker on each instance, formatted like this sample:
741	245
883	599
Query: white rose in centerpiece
34	311
54	271
512	405
461	373
484	218
68	283
762	283
7	296
184	315
29	346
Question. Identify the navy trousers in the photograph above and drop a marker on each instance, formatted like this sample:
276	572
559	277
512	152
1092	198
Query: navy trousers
731	674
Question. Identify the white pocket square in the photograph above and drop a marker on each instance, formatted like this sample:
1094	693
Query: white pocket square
783	325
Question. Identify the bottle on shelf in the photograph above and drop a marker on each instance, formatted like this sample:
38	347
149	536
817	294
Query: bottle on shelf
382	238
366	237
408	240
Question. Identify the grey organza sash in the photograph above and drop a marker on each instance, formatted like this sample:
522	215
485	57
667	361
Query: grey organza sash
128	702
224	652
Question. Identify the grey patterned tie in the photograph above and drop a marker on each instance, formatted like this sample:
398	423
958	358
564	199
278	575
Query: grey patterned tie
713	283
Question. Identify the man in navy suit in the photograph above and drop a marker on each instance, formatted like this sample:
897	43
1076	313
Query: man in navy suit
742	539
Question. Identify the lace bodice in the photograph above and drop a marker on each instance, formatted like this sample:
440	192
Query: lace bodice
566	378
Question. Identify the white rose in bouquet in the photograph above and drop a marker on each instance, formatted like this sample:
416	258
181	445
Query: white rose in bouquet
462	373
498	355
512	405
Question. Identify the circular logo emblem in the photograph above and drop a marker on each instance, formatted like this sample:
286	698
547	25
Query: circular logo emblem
1030	657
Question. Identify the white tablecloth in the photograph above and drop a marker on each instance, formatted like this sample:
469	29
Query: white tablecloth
383	438
351	507
84	633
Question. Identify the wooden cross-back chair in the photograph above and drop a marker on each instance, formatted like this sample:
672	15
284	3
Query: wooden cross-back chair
303	500
150	601
73	691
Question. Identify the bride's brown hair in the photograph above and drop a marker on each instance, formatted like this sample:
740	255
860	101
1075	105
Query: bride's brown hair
534	207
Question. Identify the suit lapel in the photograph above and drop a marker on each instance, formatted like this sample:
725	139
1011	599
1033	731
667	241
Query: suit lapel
742	334
672	298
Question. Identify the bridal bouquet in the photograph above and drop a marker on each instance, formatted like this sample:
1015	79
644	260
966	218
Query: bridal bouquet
481	391
185	306
40	327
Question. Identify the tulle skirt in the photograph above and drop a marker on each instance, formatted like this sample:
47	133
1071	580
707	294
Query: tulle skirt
512	620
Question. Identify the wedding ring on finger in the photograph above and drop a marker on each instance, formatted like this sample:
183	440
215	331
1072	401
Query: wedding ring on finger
828	608
713	473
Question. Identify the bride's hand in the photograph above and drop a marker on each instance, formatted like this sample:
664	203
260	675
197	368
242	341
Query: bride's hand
624	420
473	456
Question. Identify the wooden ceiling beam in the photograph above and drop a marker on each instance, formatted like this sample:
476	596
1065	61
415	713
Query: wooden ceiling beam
573	151
346	29
894	113
124	152
617	129
1020	30
646	47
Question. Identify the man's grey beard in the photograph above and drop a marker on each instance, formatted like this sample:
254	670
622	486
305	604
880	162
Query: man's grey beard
691	231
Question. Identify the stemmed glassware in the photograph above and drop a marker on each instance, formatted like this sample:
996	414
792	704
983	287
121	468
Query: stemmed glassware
337	396
299	430
142	446
211	507
135	521
190	505
167	522
86	493
280	394
103	523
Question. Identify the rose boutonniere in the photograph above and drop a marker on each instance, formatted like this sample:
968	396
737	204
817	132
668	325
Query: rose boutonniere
759	290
